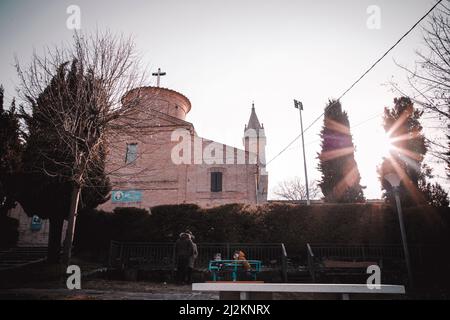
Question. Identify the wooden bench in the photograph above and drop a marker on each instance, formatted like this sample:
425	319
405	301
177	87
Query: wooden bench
249	291
347	261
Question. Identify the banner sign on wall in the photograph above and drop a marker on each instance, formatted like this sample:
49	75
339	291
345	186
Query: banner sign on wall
126	196
36	223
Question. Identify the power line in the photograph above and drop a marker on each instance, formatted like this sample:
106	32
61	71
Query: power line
358	80
352	127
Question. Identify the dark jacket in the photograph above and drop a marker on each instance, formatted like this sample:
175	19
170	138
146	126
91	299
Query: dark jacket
184	247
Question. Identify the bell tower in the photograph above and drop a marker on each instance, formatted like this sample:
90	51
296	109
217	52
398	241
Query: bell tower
255	147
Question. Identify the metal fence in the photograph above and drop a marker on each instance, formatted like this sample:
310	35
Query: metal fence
126	254
390	256
364	251
357	251
162	255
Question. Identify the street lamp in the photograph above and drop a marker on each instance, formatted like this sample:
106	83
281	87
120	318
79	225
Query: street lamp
395	180
298	105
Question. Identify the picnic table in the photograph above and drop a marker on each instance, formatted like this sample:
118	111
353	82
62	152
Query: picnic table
220	268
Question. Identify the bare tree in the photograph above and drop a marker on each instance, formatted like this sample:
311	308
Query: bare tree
77	90
295	190
429	80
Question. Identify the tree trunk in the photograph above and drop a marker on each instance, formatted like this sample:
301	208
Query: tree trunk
54	240
71	225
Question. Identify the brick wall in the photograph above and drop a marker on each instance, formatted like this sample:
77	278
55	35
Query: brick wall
161	181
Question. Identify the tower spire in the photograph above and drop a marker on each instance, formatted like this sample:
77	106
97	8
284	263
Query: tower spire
255	147
253	122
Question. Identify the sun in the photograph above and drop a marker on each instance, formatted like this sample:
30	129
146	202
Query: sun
379	145
373	145
384	145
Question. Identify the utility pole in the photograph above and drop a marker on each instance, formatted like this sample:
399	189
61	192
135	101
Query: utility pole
298	105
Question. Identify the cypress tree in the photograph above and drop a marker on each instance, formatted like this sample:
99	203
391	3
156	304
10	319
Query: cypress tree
10	155
10	167
402	124
340	175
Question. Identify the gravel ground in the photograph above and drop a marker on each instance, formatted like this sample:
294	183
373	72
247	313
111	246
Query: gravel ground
107	290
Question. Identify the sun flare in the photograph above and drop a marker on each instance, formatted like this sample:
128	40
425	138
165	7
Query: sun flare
386	145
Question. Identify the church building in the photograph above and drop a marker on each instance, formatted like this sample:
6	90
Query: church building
156	158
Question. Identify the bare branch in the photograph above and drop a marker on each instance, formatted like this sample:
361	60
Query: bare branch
295	190
77	91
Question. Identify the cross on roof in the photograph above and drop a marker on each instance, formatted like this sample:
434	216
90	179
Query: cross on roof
158	76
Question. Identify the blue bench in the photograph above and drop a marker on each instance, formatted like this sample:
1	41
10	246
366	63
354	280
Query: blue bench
218	268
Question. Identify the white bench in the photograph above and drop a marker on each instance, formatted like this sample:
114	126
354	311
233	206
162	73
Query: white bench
345	290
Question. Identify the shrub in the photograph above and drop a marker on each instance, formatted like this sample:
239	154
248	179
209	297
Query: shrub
292	225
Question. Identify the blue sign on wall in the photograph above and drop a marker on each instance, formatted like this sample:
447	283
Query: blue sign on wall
126	196
36	223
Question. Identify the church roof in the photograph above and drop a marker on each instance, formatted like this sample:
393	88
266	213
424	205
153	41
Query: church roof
253	122
167	90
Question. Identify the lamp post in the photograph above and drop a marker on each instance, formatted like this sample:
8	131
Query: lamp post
395	180
298	105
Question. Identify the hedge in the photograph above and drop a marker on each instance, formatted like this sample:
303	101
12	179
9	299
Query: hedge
293	225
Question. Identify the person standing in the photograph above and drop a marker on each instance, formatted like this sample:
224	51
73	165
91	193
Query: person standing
184	252
192	258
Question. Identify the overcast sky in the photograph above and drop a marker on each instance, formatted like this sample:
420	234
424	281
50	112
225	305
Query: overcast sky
225	54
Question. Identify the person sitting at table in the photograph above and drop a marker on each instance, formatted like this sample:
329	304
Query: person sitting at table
240	256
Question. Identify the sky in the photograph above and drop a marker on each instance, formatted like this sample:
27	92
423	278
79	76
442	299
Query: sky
223	55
